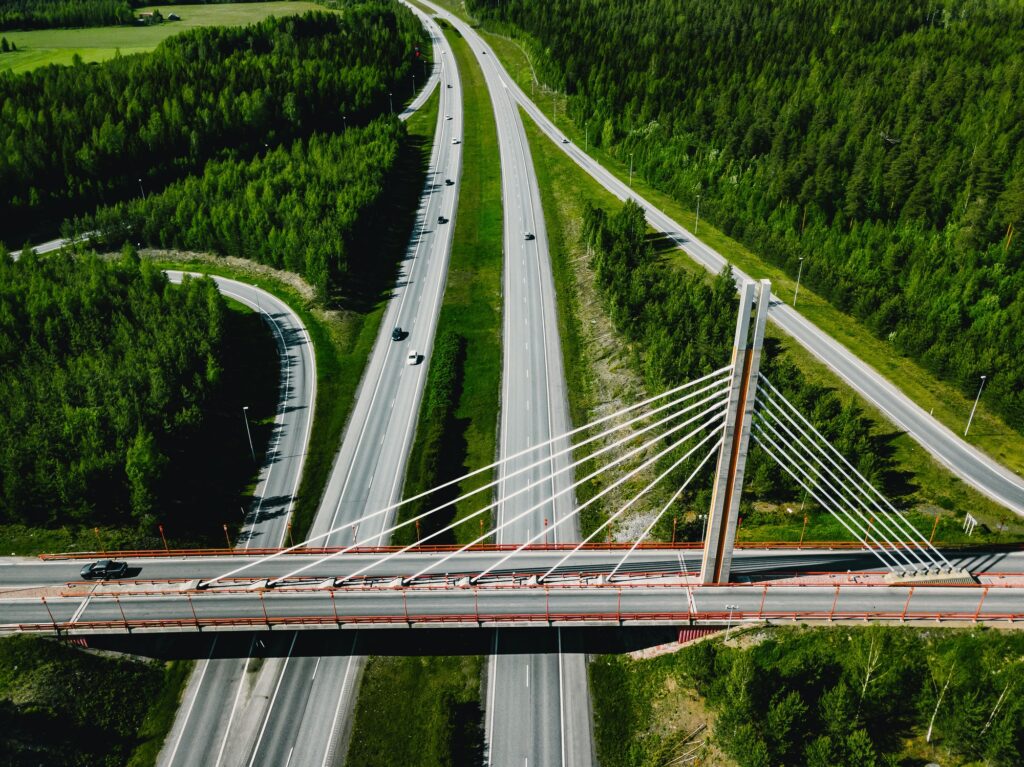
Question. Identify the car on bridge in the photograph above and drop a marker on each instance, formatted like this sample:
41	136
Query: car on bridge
442	220
413	358
449	182
103	569
529	236
397	334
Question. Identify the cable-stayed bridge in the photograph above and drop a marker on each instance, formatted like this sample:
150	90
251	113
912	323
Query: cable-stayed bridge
659	448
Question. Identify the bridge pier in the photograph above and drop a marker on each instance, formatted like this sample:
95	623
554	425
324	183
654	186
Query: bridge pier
732	458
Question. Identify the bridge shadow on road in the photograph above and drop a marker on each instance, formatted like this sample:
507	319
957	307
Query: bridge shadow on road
397	642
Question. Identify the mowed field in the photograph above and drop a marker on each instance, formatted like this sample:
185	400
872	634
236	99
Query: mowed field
58	46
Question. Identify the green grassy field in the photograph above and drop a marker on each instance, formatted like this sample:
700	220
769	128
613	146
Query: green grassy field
949	406
37	48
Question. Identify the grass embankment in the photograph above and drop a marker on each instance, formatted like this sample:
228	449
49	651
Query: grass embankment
945	401
428	711
62	705
771	696
457	428
40	47
922	484
419	711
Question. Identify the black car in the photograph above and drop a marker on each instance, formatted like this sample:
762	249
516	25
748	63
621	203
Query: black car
104	568
449	182
396	334
528	236
442	220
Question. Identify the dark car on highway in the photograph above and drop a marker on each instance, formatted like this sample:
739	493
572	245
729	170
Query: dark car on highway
442	220
104	568
397	334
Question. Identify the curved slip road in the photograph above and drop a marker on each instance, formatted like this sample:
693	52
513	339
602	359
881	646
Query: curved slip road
965	461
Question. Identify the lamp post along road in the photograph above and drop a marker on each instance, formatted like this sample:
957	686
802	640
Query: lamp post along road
976	400
630	170
696	219
799	272
248	433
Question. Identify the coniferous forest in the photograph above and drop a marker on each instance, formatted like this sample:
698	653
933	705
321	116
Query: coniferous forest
87	135
879	140
106	371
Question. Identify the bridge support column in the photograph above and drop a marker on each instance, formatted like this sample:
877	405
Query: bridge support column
732	459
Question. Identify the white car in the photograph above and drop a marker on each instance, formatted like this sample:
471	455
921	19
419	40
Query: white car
447	117
413	358
455	141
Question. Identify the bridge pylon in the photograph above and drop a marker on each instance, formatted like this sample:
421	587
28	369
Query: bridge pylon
732	458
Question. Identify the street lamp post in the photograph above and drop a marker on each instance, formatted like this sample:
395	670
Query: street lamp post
696	218
799	272
630	170
586	136
245	416
976	399
728	625
414	84
391	104
141	190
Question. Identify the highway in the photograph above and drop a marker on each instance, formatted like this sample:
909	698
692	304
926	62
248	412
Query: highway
529	719
965	461
305	718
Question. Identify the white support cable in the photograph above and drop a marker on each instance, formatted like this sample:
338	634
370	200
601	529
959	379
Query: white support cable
874	491
525	451
493	504
533	508
596	497
764	440
846	491
815	449
666	507
642	493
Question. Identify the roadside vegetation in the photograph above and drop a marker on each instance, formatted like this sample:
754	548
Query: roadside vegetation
63	705
622	363
929	377
846	695
94	135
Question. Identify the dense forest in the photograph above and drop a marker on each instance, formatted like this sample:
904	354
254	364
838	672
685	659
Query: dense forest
313	207
860	697
879	141
681	325
86	135
40	14
114	394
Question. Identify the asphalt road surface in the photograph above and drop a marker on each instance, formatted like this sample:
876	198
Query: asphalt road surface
965	461
308	713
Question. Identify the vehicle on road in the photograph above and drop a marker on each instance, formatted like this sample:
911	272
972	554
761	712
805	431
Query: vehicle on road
413	358
442	220
565	140
447	117
449	85
397	334
528	236
104	568
449	182
455	141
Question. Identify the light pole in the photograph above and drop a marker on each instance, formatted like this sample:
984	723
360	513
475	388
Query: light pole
586	136
728	625
391	104
696	218
630	170
976	399
799	272
141	190
414	84
245	416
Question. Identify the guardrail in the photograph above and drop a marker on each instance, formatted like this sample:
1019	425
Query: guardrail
487	547
488	619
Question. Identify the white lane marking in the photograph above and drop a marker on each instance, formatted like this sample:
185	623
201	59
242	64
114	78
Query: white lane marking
561	697
234	705
490	703
191	705
81	607
290	752
527	675
315	668
270	707
341	696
